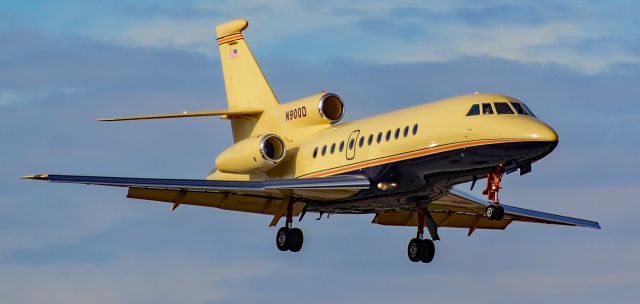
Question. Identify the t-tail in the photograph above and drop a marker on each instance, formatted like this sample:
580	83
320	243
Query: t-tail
244	81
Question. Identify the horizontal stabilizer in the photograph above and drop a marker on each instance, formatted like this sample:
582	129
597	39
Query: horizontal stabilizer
227	112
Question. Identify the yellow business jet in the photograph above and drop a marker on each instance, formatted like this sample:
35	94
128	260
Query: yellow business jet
292	158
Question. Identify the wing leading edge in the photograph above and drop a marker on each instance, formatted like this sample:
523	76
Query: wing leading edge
352	182
459	209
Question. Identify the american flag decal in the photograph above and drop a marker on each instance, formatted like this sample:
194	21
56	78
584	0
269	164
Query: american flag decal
233	53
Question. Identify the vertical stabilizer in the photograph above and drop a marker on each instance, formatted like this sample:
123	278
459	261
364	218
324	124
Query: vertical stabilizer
245	84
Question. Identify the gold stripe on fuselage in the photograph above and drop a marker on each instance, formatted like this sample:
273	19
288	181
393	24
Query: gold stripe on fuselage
411	155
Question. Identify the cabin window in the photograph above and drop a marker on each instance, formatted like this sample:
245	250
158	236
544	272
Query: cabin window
315	152
475	110
370	141
379	139
406	131
516	106
397	134
415	129
487	109
503	108
324	150
351	143
388	135
341	146
361	143
333	148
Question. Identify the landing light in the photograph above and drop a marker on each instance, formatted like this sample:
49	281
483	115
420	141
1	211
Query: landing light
387	186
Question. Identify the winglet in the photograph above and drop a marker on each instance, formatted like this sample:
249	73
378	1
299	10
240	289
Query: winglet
36	177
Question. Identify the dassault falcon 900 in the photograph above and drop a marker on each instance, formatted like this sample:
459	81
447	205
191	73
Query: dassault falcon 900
292	158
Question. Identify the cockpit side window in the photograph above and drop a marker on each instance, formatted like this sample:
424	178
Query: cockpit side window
475	110
528	110
487	109
518	107
503	108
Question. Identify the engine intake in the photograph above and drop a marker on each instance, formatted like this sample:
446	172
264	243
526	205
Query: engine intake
254	154
331	107
272	148
301	112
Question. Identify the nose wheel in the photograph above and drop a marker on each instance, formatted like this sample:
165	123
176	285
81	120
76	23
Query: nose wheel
495	212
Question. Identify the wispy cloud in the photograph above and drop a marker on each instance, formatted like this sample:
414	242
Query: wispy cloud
410	31
160	278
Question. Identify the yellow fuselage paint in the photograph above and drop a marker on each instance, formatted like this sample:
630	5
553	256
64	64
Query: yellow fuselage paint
441	126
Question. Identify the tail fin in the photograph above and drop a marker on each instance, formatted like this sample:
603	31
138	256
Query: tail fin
246	85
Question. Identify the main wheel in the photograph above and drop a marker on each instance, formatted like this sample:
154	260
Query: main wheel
296	239
428	251
414	250
282	239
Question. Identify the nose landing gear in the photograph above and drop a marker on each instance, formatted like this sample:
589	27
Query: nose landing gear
495	211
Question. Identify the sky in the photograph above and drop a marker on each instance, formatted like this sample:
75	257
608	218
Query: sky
63	64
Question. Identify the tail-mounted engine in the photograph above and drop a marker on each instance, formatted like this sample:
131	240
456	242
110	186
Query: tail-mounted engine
323	108
254	154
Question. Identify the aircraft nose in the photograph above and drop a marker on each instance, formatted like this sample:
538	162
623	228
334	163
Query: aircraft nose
544	132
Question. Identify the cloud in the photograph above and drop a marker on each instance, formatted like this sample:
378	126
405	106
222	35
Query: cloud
162	277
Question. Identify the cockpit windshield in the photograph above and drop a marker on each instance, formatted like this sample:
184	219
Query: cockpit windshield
501	108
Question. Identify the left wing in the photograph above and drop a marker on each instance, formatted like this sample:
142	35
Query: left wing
355	182
463	210
264	197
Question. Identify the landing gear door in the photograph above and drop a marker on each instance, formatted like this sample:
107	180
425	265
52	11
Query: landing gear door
352	143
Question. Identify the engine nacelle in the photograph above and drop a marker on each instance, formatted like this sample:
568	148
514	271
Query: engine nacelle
254	154
323	108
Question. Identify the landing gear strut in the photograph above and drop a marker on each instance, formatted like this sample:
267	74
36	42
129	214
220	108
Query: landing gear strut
495	211
420	249
289	238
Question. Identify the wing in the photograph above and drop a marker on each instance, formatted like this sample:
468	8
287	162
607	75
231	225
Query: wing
463	210
265	197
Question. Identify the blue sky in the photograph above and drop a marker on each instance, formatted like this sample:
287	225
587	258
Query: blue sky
63	64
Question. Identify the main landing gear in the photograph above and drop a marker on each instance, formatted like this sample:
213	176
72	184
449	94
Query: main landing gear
495	211
289	238
420	249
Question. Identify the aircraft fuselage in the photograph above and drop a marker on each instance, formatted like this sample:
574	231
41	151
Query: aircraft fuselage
419	153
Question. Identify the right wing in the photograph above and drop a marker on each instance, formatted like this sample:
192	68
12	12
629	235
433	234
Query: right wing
459	209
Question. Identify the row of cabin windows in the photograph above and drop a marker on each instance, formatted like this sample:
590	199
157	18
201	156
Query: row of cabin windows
500	108
352	142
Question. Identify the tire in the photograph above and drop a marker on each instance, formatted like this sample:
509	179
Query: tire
414	250
491	212
500	213
298	237
292	239
282	239
428	251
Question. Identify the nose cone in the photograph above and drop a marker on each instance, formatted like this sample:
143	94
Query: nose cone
529	130
544	132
